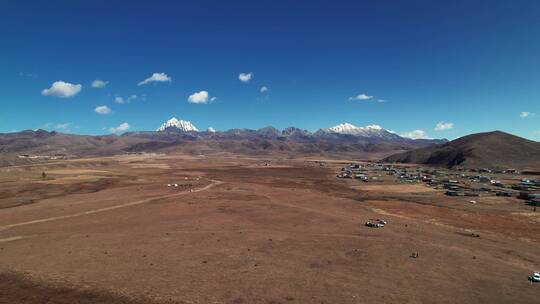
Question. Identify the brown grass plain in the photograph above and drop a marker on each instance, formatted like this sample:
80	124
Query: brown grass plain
252	230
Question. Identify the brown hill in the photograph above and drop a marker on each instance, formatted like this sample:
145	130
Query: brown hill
492	149
55	144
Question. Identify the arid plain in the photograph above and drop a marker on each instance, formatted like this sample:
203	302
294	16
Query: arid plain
237	229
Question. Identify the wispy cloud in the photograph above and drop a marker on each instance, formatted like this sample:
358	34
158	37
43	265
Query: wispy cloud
415	134
62	89
122	100
264	89
526	114
156	77
245	77
201	97
442	126
62	126
98	84
123	127
362	96
103	110
28	75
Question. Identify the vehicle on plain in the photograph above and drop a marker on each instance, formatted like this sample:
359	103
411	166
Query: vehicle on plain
375	223
535	277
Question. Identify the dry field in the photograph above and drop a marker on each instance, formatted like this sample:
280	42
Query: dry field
248	230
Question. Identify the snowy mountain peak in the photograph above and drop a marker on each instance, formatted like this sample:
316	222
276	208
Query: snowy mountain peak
367	131
345	128
182	125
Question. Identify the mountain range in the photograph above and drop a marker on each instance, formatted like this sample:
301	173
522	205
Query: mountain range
344	140
345	130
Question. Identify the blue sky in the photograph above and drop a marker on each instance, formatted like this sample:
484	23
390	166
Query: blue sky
470	65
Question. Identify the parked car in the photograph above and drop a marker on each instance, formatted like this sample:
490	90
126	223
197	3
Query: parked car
535	277
375	223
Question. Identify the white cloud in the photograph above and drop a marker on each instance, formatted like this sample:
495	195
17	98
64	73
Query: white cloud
213	99
98	84
103	110
526	114
121	128
211	130
62	89
122	100
361	97
62	126
416	134
156	77
381	100
245	77
28	75
201	97
442	126
264	89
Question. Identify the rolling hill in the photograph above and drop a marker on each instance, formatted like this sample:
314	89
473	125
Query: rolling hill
491	149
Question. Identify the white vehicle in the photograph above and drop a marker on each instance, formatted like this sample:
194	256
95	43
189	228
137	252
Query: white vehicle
535	276
375	223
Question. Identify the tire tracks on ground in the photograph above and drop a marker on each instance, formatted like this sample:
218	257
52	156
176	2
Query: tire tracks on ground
105	209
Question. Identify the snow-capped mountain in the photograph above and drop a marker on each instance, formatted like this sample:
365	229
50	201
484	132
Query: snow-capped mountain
345	132
182	125
367	131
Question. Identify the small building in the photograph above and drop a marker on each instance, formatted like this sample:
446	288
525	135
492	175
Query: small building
504	193
534	202
528	195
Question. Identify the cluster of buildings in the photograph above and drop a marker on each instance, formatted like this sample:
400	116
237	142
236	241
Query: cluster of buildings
454	188
182	187
416	175
461	182
487	170
527	185
356	171
45	157
529	191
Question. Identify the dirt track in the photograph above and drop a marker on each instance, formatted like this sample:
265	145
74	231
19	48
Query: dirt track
94	211
285	233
